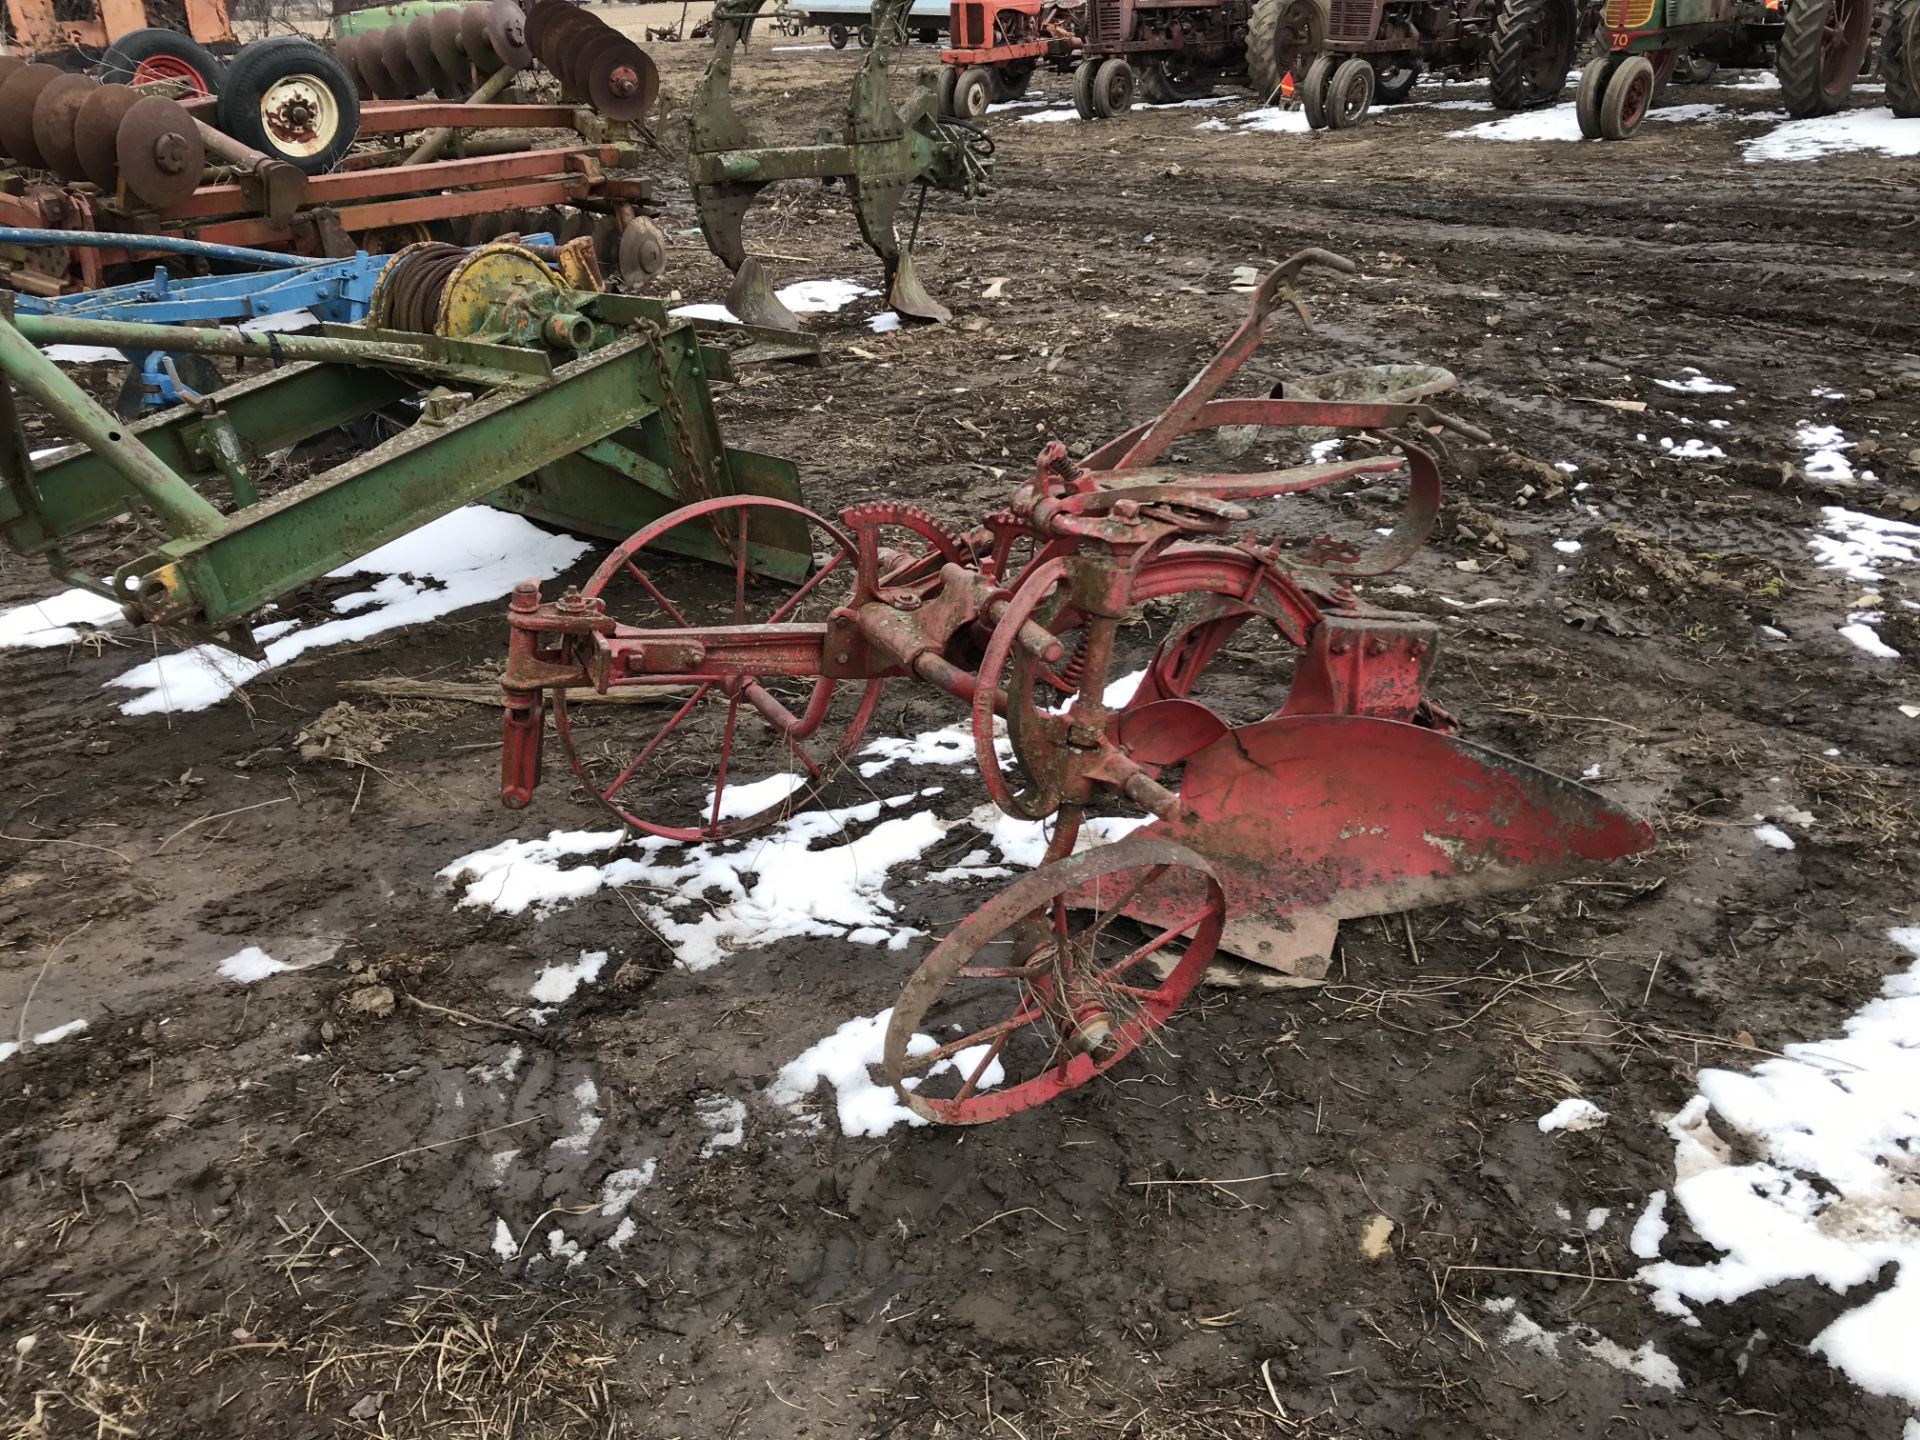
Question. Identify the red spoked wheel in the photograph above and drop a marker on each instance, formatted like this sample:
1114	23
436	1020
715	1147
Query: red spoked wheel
723	756
1047	985
1201	598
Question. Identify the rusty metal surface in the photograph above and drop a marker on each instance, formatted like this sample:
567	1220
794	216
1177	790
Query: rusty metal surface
18	93
159	152
55	114
1351	797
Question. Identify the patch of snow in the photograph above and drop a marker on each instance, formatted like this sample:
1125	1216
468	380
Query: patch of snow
1051	117
705	310
1272	120
504	1245
470	557
1863	545
587	1122
1773	836
885	323
80	354
1651	1228
9	1049
1819	135
844	1060
1824	444
1522	1332
1859	631
1827	392
1695	384
1560	122
59	1032
1598	1216
821	297
502	1073
559	1247
1834	1127
1694	448
555	984
1573	1114
949	746
251	965
740	801
1026	103
1321	451
619	1188
43	624
1567	547
725	1119
1592	772
809	875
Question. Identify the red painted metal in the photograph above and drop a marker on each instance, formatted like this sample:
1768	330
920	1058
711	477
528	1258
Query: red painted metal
1349	797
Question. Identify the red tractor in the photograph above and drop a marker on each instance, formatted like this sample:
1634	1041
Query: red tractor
996	47
1175	49
1365	52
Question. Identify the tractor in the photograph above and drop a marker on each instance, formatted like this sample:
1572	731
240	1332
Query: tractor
1363	52
997	45
1175	49
1816	47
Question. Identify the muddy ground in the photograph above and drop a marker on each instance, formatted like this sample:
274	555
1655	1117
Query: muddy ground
269	1210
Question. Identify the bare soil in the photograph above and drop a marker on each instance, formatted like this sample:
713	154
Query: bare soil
268	1211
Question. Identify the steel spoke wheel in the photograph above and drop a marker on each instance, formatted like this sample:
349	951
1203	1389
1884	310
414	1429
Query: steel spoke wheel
725	755
1048	985
1822	43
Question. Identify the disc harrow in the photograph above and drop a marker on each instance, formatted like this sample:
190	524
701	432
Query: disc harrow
1332	788
593	60
445	53
82	130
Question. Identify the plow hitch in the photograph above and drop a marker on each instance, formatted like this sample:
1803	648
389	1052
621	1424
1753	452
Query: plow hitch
1126	634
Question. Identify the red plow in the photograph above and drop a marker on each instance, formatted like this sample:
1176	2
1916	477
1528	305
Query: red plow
1280	740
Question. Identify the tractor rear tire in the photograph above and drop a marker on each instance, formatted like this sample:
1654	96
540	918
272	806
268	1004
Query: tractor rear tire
1083	74
1169	82
141	56
943	90
283	73
1900	59
1282	38
1313	90
1350	93
1396	90
1821	46
1532	50
1586	99
972	93
1628	98
1113	87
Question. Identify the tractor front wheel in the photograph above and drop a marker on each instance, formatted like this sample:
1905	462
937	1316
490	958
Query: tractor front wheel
1113	87
1821	46
1350	93
1586	100
1628	98
1900	59
1398	84
972	93
944	87
1083	76
1313	90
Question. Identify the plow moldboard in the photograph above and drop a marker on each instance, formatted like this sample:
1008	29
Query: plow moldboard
1309	820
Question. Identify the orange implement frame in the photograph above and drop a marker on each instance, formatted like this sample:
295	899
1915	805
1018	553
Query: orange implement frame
35	28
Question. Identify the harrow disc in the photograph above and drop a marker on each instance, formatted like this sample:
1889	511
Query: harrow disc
1047	986
159	151
347	51
393	51
474	40
621	81
371	57
18	97
507	28
444	33
55	115
96	133
643	251
8	65
426	64
745	750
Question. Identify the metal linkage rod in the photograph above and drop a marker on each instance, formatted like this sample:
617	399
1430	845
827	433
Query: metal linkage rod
161	244
214	340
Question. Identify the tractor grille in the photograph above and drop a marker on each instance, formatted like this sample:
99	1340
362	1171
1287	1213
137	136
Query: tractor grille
1354	19
1103	22
969	22
1629	14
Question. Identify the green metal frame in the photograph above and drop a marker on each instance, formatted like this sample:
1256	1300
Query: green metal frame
603	443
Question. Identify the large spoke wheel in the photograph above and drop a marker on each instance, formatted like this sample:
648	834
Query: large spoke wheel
719	757
1821	46
1283	36
1047	985
1900	59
